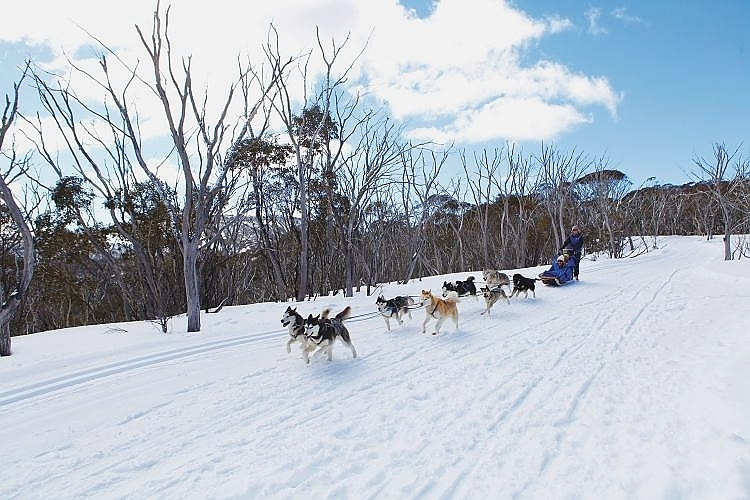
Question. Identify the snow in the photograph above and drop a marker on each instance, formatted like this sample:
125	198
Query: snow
632	383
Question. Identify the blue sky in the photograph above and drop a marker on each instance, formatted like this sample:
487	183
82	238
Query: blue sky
648	84
683	69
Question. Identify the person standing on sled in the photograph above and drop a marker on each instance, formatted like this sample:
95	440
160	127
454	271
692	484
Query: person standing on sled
573	244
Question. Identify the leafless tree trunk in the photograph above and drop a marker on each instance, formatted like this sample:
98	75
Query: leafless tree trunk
305	148
13	301
210	183
516	218
365	170
480	181
602	191
721	189
558	171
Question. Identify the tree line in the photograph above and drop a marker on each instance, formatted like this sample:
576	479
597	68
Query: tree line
289	186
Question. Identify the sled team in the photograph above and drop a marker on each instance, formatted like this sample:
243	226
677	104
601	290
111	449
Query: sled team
316	334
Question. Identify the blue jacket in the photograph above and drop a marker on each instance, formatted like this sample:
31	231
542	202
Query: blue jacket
574	242
564	273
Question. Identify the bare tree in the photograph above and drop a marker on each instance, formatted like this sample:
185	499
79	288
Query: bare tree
364	171
603	191
481	181
213	187
517	210
16	167
558	170
313	128
421	168
721	188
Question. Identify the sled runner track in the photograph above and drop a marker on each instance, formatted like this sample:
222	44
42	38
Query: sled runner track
80	377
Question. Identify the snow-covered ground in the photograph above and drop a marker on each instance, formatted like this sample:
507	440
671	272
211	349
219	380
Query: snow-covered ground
632	383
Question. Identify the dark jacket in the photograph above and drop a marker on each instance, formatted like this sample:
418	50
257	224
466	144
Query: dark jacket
575	243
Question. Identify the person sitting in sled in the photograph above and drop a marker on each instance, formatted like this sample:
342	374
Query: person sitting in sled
561	270
573	245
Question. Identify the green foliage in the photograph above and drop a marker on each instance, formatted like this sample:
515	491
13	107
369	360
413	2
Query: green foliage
69	196
314	129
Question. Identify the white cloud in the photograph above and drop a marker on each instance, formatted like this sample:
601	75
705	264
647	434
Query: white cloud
622	14
593	15
455	75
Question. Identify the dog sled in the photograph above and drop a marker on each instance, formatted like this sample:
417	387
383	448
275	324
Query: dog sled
561	270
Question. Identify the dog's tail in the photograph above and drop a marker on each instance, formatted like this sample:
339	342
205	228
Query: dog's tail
325	313
470	278
344	314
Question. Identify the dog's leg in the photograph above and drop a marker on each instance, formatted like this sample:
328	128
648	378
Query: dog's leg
387	323
289	345
318	350
306	353
437	325
347	339
424	323
351	346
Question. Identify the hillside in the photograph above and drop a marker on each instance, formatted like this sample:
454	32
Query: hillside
632	383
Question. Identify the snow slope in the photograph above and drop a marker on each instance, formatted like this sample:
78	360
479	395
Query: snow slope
632	383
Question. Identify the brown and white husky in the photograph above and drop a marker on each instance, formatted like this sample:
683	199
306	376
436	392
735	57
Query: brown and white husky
439	309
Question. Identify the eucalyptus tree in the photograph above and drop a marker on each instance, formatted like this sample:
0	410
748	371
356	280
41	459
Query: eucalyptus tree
14	166
516	190
482	175
200	133
723	185
557	171
273	185
602	192
420	169
365	169
305	103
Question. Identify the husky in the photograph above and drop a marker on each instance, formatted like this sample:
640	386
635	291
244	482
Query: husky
321	332
523	284
462	288
439	309
492	295
397	307
494	278
295	323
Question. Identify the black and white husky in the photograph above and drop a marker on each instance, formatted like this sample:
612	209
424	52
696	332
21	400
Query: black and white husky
462	288
295	323
321	332
397	307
